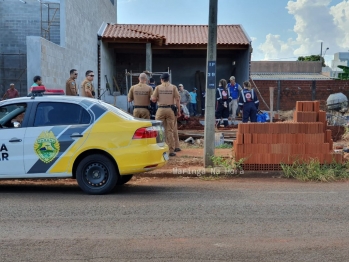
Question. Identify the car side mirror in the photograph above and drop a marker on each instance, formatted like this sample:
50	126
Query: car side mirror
16	124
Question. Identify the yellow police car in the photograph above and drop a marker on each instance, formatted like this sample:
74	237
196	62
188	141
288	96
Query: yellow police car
65	136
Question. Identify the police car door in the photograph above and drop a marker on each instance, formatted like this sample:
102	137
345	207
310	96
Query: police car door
58	129
12	131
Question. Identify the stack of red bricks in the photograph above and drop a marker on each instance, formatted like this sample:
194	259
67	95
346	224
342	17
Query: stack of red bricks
264	146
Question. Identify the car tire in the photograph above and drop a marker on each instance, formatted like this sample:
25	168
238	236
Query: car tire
96	175
123	179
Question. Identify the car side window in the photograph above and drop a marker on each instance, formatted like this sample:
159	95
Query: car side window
12	116
57	113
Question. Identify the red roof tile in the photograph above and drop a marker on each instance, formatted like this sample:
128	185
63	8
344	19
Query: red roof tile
176	34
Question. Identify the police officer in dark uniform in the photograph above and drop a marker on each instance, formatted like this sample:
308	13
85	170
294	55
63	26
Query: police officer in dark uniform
153	106
165	94
223	99
249	103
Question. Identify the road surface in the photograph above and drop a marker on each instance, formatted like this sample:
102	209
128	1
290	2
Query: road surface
177	219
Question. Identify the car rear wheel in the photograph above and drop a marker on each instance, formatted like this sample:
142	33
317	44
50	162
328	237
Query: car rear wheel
123	179
96	175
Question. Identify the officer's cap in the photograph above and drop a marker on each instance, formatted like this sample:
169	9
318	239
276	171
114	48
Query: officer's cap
165	76
232	78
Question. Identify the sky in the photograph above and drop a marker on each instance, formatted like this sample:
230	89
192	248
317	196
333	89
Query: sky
280	30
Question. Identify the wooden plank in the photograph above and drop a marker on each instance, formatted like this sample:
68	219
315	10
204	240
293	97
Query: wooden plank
116	84
200	134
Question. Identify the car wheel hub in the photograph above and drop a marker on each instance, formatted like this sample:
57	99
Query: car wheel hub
96	174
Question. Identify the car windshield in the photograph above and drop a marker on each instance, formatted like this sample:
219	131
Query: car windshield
118	111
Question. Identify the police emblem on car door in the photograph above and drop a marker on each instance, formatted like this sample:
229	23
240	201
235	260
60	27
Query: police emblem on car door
46	146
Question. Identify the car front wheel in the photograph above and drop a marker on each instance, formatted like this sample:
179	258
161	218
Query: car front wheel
96	175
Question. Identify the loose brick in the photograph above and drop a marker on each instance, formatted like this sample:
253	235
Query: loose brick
239	139
328	135
322	116
316	106
299	106
247	138
255	138
325	147
240	129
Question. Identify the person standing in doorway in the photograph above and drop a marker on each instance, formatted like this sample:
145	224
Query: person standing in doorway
37	81
165	95
152	83
70	86
234	89
193	101
141	94
12	92
185	99
87	88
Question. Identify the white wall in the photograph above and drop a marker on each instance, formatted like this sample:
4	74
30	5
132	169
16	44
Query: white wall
80	22
108	68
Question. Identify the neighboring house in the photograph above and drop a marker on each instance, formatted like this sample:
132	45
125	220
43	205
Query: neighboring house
49	38
19	19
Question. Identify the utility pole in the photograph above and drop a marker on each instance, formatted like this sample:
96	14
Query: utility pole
209	142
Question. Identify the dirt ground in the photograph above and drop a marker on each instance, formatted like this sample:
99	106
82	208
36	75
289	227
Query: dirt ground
191	157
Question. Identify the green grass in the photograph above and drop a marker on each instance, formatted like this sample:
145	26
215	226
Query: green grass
225	145
224	167
314	171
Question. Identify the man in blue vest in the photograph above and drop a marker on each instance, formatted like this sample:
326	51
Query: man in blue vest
234	89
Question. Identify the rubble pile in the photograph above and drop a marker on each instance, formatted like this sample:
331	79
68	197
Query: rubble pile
192	123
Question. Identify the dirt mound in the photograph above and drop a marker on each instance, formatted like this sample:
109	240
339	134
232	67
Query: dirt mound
190	124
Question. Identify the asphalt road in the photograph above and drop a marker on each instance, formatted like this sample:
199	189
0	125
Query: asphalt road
177	220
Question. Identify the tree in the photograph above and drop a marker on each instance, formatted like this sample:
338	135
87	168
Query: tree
312	58
345	74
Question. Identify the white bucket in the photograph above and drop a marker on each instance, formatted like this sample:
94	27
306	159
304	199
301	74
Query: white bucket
219	139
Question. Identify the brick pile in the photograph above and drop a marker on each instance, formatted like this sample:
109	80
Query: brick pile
265	145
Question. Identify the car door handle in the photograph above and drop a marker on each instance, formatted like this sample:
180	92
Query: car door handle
76	135
15	140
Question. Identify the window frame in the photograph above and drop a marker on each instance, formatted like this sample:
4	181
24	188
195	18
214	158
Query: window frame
37	104
26	111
